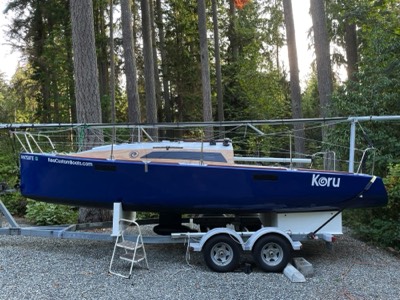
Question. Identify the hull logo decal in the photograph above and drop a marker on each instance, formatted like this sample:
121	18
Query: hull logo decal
69	162
322	181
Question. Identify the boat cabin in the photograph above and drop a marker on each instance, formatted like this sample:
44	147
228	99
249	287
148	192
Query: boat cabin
211	152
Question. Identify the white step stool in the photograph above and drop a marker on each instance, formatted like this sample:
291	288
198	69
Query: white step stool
131	251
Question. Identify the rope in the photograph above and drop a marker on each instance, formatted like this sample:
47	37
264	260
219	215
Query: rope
366	137
81	136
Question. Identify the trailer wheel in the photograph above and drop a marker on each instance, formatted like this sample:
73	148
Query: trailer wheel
272	253
221	253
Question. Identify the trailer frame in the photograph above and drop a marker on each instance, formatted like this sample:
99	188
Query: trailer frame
271	246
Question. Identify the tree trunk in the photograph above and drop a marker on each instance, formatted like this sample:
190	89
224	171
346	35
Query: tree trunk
295	92
157	84
324	71
205	68
164	68
130	63
70	69
102	56
86	84
85	65
38	63
232	35
112	68
151	103
350	38
218	72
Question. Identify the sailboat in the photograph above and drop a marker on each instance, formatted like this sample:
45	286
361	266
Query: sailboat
189	177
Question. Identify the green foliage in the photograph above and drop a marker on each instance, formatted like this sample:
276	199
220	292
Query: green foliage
374	88
8	160
41	213
255	87
310	98
15	203
147	215
182	48
5	109
9	170
379	231
45	85
392	183
381	225
25	91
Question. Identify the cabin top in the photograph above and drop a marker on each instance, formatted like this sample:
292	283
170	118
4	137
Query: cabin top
211	152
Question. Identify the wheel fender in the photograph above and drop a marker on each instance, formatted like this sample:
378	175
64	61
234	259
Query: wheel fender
269	230
216	231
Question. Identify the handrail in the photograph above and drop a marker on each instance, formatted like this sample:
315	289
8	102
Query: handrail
324	153
273	159
29	139
19	140
48	138
364	157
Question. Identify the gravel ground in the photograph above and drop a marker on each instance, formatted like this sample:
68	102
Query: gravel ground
45	268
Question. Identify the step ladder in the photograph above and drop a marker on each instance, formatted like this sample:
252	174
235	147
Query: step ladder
132	251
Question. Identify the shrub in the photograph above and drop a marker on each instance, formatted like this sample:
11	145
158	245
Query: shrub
15	203
380	225
41	213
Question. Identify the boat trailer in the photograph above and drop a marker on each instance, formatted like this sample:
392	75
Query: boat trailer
271	245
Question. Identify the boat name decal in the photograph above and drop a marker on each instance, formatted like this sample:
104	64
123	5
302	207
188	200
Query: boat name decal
322	181
29	157
69	162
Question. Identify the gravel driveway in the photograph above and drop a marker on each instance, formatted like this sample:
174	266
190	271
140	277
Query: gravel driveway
45	268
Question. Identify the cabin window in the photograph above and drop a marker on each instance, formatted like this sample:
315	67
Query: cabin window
269	177
103	167
186	155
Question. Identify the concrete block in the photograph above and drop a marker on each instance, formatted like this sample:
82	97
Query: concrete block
303	266
293	274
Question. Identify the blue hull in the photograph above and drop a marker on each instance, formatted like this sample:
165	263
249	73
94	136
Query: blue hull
164	187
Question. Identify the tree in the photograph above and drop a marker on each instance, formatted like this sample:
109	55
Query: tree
375	90
218	73
294	77
40	30
23	98
322	53
351	47
254	86
234	104
205	68
85	64
343	18
7	107
164	65
86	84
112	68
103	52
232	34
183	61
157	85
130	63
151	103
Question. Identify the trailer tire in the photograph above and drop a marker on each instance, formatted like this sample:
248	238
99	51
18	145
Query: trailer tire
222	253
272	253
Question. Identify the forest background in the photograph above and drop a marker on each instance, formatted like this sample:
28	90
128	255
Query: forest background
204	60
